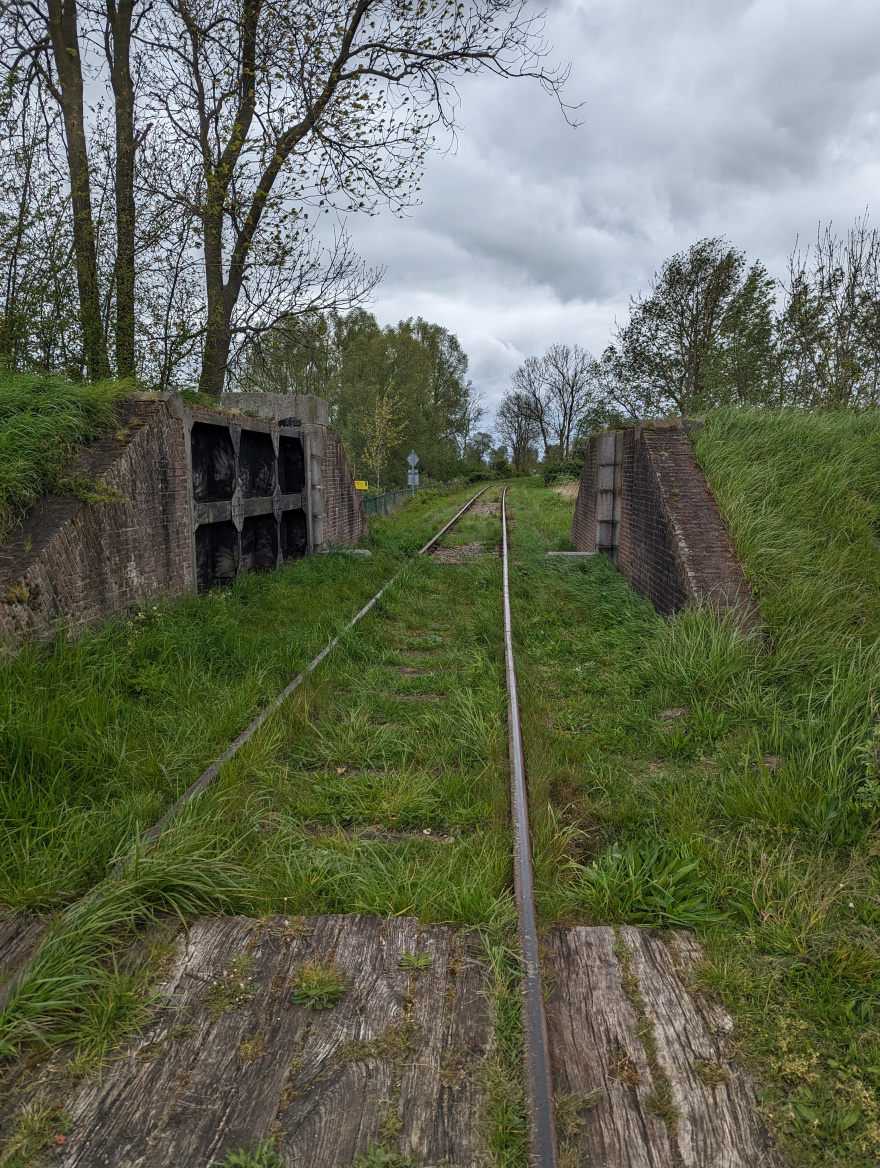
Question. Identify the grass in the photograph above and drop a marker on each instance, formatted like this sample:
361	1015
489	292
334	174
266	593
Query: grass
381	787
683	773
100	736
43	421
317	986
68	993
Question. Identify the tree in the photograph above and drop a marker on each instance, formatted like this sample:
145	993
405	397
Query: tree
383	430
516	424
662	358
830	325
556	390
478	446
280	110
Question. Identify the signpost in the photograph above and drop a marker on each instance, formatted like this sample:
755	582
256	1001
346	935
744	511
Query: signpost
412	475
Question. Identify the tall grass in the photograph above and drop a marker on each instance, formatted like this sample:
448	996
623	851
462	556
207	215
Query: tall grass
43	420
683	772
50	1002
98	737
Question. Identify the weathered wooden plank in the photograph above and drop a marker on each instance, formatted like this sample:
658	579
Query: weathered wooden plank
443	1091
599	1062
718	1124
621	1009
229	1058
19	937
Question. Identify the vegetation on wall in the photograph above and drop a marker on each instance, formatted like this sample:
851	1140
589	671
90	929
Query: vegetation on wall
43	420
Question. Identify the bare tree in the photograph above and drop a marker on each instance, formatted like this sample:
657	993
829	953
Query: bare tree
572	387
556	390
830	325
515	423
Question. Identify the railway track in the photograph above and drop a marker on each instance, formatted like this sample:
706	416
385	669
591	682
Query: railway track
416	1018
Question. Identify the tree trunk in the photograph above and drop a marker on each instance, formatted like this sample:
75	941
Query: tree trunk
119	21
218	328
62	28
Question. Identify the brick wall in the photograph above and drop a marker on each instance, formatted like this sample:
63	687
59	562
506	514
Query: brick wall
344	518
673	545
647	551
71	561
583	524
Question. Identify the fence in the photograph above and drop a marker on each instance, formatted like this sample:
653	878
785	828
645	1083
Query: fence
382	504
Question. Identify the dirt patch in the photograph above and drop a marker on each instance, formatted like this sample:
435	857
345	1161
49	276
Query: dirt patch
460	555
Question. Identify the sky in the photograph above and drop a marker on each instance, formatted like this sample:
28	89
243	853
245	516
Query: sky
753	121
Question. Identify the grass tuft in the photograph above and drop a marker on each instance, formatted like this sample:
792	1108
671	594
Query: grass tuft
43	421
317	986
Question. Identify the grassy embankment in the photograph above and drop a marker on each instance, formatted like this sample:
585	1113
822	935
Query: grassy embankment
683	774
43	422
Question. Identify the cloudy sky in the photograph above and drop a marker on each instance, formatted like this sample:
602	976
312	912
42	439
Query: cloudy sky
700	117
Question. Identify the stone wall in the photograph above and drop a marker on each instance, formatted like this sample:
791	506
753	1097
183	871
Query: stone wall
72	561
204	495
671	543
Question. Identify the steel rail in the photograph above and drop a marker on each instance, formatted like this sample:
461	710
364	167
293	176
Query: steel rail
452	521
536	1046
207	776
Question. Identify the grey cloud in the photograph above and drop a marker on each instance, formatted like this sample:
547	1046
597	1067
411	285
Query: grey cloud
751	120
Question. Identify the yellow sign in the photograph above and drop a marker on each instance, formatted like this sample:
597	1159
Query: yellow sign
360	485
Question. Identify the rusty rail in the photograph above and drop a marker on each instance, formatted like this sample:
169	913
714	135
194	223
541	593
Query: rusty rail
536	1046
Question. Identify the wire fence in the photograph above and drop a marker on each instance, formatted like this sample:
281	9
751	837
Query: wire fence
382	504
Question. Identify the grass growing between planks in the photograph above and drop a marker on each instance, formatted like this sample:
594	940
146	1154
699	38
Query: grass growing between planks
682	774
99	736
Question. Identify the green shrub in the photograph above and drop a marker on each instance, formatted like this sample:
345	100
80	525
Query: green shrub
562	471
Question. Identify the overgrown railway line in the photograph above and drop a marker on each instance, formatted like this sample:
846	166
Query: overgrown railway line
399	1056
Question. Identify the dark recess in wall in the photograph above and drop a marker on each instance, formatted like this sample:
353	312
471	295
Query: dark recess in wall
294	535
213	463
256	465
291	466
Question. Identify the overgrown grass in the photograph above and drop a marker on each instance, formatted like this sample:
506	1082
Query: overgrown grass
62	993
99	736
382	785
683	773
43	421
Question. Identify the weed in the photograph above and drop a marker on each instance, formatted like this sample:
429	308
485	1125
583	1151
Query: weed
234	989
647	882
710	1071
416	960
38	1127
377	1156
622	1068
263	1155
318	987
394	1044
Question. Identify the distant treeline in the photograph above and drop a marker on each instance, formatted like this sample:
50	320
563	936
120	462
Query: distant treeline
391	390
714	331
